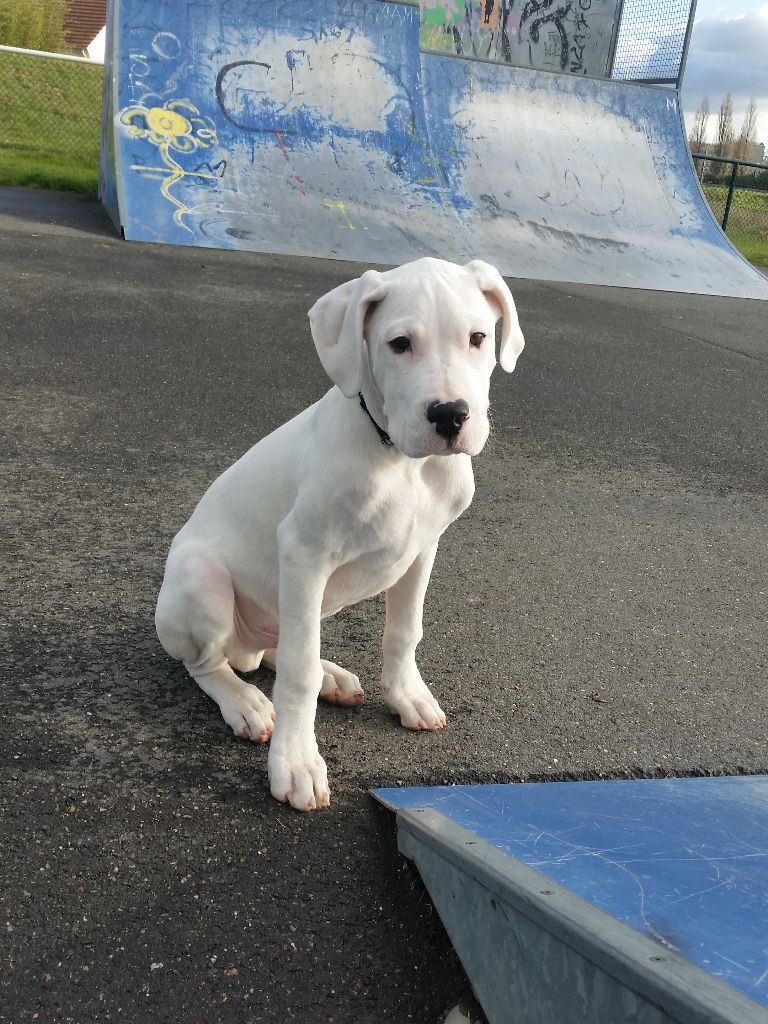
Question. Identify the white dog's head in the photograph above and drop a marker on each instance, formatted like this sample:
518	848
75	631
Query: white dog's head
418	342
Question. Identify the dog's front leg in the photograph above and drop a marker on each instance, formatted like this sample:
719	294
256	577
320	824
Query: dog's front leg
297	772
405	692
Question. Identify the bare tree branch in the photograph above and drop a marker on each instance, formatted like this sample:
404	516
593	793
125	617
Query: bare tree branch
748	131
724	133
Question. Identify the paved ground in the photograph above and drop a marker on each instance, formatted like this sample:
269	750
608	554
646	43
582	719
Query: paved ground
616	550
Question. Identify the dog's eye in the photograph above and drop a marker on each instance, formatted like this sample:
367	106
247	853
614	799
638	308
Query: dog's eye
476	339
400	345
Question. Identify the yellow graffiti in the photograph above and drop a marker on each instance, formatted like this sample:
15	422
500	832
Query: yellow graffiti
337	204
177	125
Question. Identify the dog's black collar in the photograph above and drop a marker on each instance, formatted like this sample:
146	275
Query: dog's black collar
385	438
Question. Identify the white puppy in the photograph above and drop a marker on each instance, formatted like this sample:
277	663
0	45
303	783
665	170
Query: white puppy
346	500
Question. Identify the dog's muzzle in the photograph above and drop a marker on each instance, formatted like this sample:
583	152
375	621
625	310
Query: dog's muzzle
448	417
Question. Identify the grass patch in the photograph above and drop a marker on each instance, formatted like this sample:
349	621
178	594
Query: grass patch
747	220
752	247
51	123
743	198
23	170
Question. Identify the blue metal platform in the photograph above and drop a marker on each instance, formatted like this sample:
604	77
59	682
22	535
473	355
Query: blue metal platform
649	899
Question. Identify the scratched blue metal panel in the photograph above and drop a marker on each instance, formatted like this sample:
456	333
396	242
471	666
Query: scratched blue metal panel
684	861
322	130
267	135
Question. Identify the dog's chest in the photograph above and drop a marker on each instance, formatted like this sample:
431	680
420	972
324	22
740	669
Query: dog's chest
391	532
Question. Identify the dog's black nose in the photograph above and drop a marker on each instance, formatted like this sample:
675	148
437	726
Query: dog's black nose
448	417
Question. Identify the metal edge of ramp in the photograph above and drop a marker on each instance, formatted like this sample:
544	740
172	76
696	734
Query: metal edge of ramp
537	954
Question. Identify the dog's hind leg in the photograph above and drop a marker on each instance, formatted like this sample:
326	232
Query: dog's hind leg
245	709
241	658
195	622
339	686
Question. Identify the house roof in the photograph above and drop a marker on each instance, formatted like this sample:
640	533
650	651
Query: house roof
83	20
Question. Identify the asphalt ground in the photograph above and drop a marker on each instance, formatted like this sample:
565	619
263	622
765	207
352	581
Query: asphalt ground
600	611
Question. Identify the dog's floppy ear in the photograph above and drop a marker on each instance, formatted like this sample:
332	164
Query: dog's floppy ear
337	321
492	285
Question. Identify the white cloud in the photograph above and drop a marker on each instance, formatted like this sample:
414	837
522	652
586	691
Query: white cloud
728	54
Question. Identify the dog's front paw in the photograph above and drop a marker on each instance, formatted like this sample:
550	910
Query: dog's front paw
413	702
297	774
248	713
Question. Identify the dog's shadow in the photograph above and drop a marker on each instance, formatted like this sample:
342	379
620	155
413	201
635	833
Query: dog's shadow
117	694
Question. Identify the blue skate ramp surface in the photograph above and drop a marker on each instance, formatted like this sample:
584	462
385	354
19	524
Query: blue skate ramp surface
681	861
324	130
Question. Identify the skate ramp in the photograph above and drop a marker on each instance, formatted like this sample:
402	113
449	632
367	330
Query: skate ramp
323	130
623	900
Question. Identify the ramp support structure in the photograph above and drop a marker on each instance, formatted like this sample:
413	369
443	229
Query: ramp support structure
535	953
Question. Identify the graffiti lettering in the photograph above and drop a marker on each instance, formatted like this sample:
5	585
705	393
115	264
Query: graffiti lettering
532	7
359	10
337	204
217	170
293	58
556	18
221	90
580	36
138	72
564	35
166	45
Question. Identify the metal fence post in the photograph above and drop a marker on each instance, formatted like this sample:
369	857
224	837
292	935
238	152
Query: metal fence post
686	43
729	200
614	38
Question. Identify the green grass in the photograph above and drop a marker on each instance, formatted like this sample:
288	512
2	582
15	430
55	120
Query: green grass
26	171
743	199
747	220
50	123
751	247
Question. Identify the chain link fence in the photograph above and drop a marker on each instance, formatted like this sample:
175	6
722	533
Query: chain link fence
50	119
737	193
652	40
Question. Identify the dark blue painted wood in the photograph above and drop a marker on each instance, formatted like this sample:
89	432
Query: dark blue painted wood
684	861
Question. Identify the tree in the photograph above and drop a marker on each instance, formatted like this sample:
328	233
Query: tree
33	25
748	132
697	140
698	137
724	133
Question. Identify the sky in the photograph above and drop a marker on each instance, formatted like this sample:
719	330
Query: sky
729	53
